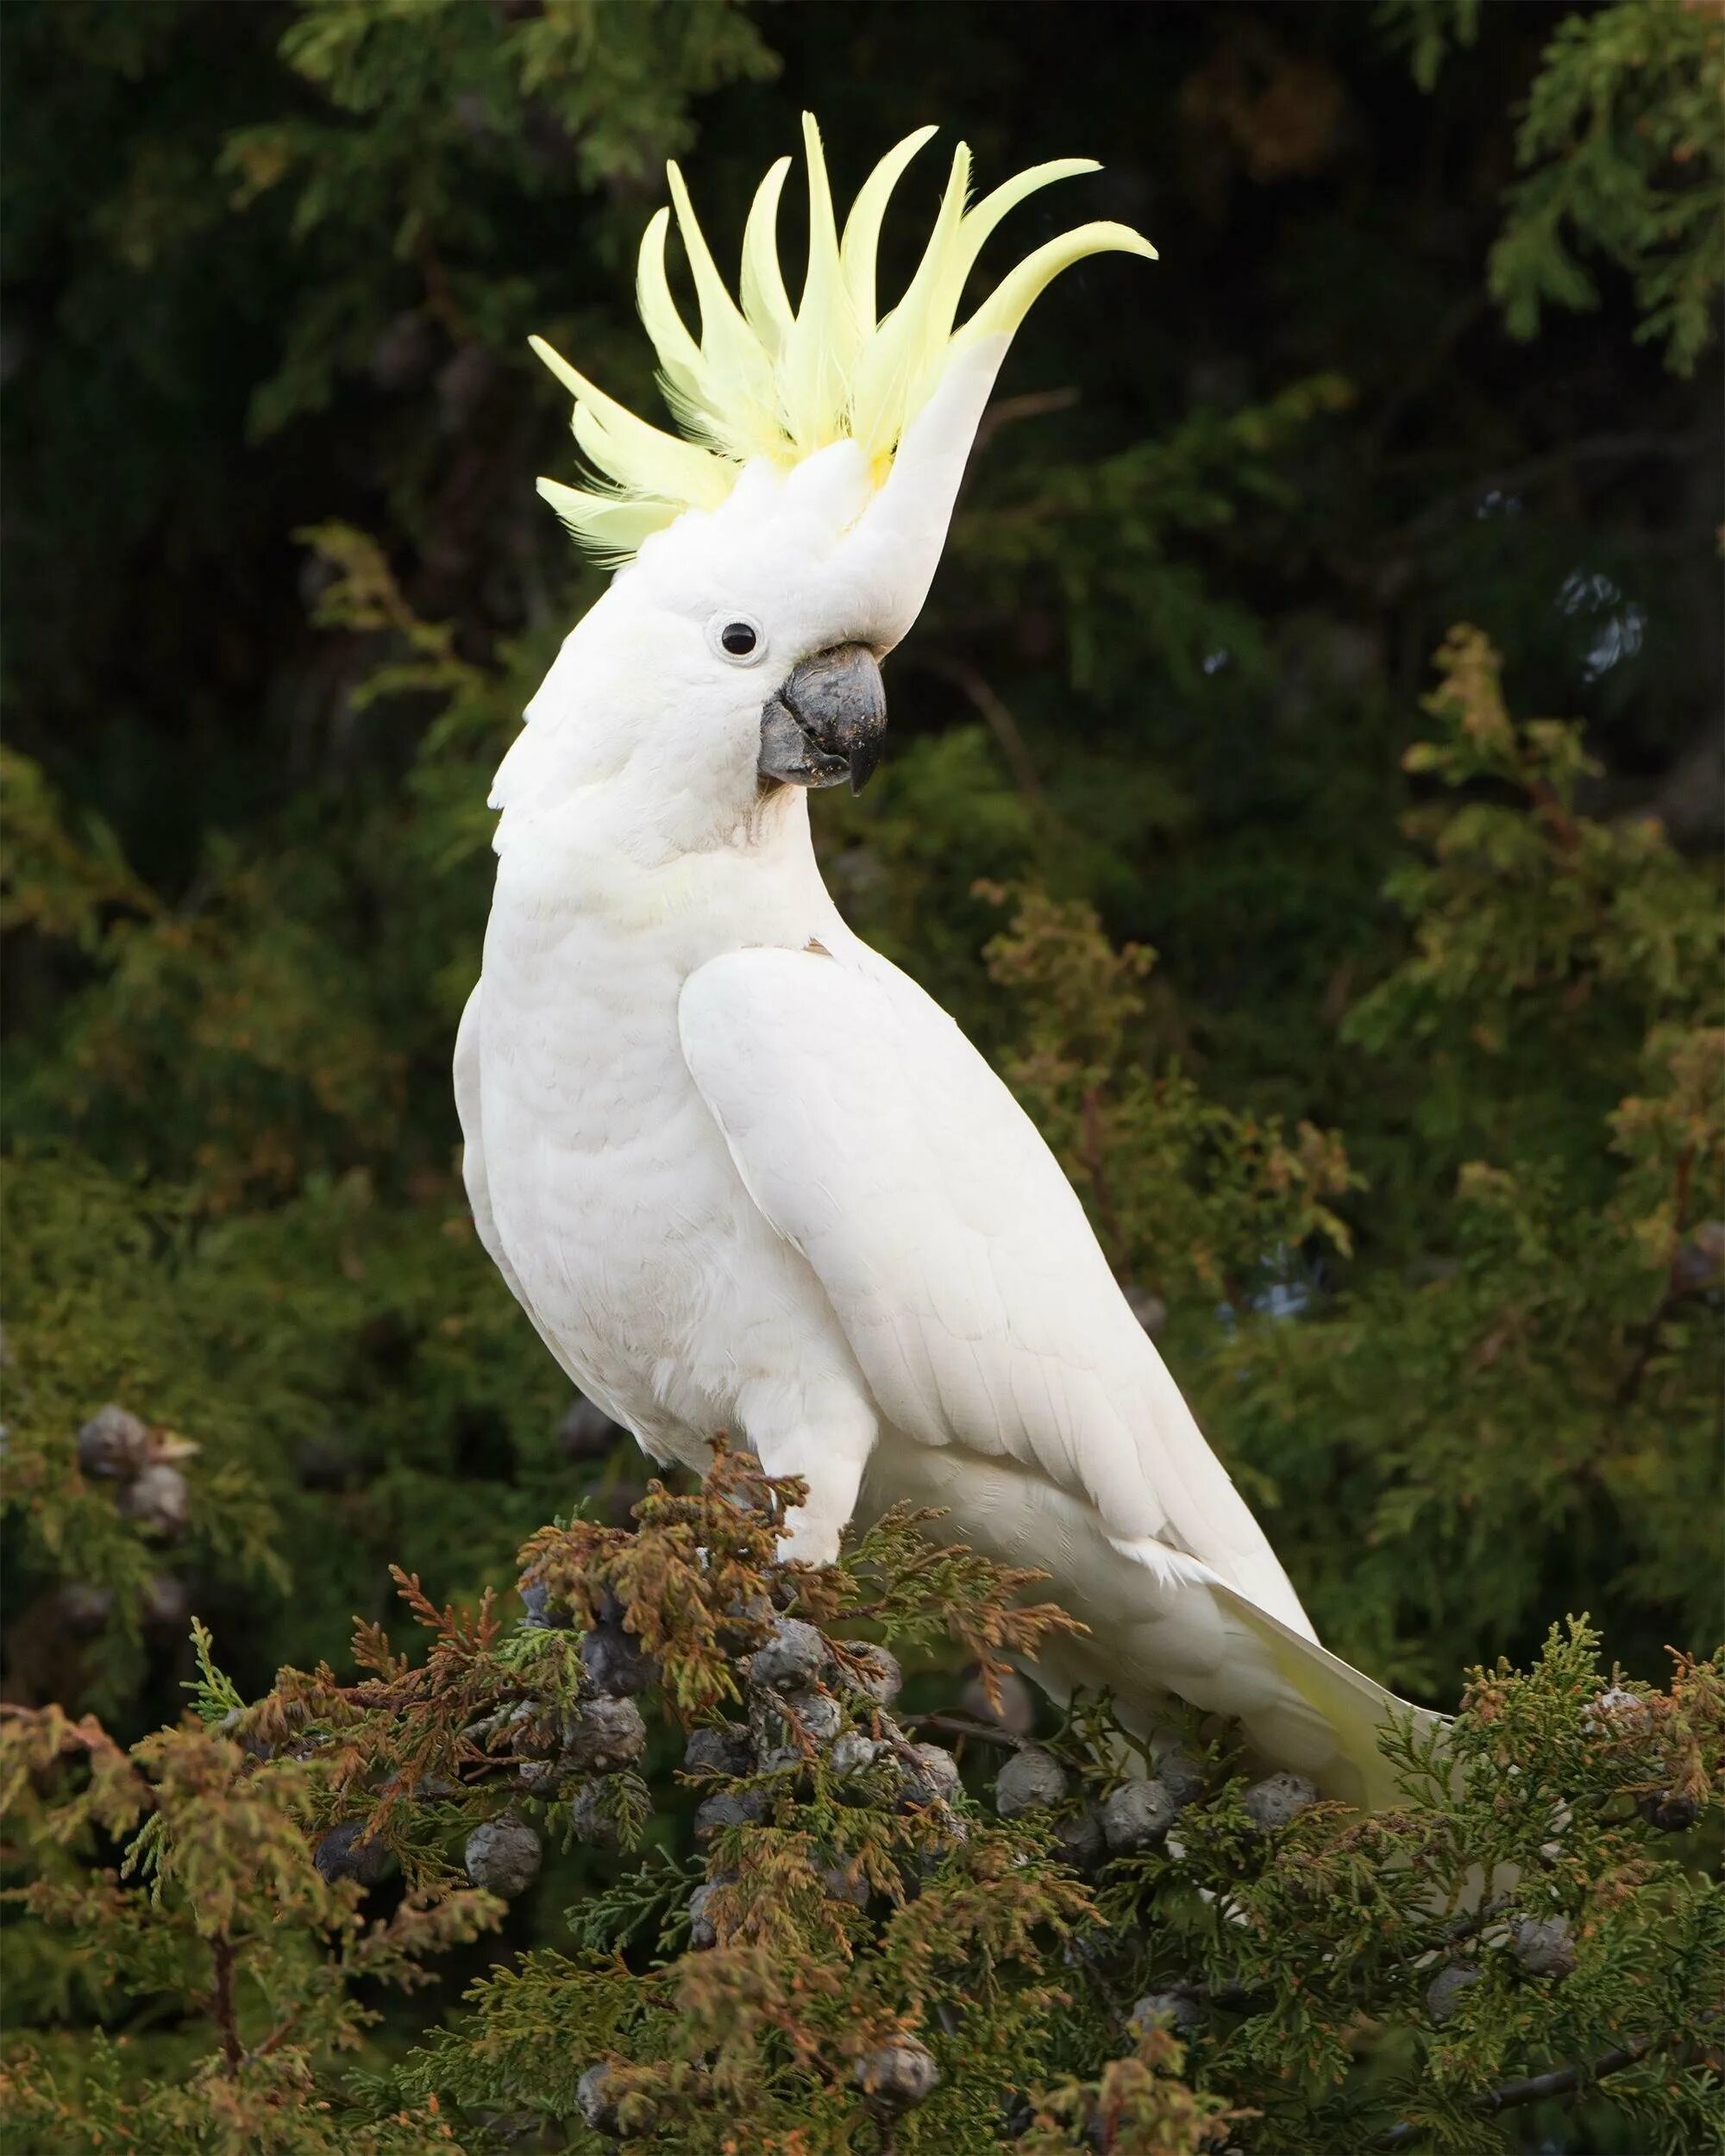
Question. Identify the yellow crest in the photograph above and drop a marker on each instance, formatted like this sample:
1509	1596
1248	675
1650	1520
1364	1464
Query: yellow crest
763	380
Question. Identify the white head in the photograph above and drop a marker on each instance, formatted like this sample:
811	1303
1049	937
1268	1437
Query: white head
769	557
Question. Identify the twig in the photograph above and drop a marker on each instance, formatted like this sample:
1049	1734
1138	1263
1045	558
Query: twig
1649	1335
440	301
1240	1998
1031	406
221	2003
960	1725
1554	816
1561	2081
998	720
277	2037
1647	1339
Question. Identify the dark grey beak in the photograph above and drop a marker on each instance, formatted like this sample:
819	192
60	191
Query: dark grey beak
826	722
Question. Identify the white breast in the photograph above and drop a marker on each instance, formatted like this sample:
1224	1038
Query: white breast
634	1242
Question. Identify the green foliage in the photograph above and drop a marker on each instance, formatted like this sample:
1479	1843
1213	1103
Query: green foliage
1553	1361
1624	145
1425	29
851	1916
58	880
1551	1356
396	153
1137	2105
1188	1195
1102	537
1527	1813
1523	903
1407	1143
225	1963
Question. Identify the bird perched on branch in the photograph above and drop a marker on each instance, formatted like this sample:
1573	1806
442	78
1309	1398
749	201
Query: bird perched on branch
742	1174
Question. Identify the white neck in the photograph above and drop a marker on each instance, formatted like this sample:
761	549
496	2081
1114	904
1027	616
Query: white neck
610	862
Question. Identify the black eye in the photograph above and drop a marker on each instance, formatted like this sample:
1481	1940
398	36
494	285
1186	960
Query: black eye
738	639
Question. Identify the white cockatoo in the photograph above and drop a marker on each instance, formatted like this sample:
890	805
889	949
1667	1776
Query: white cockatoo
742	1174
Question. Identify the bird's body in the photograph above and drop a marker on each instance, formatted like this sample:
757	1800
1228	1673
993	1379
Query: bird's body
633	1242
745	1176
607	1188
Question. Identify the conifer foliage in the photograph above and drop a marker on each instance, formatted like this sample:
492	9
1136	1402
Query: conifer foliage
820	1931
1377	1021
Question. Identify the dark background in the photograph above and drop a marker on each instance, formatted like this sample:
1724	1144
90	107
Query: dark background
273	268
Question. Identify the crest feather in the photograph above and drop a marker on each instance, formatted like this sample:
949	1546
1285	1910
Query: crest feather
761	284
765	381
860	245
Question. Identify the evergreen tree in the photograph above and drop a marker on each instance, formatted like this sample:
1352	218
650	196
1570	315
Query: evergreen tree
1383	1044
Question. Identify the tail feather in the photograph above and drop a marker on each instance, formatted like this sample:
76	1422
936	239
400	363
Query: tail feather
1354	1709
1162	1626
1297	1705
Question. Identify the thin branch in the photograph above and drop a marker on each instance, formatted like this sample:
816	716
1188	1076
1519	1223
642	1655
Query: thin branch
960	1725
1646	1340
277	2037
1554	816
1031	406
221	2003
998	720
1561	2081
1649	1333
1461	1928
440	301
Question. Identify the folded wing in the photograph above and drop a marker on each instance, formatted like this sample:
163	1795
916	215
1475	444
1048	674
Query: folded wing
954	1253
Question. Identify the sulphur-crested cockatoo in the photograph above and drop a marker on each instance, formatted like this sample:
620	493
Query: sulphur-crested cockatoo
741	1173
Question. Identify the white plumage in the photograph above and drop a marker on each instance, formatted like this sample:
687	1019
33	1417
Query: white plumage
743	1175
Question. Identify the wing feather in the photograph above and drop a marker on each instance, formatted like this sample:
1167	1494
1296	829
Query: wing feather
954	1253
